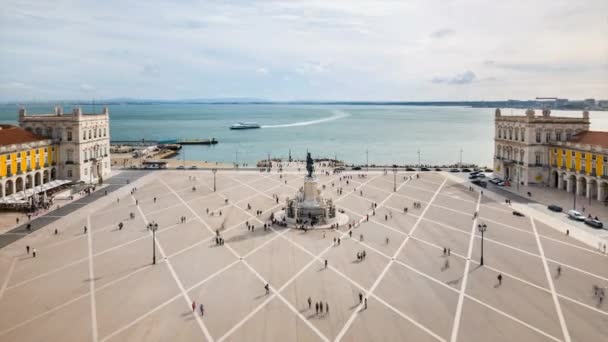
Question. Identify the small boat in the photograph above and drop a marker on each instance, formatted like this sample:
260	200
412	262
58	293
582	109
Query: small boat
245	125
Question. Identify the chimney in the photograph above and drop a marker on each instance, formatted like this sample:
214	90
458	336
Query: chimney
497	112
77	111
58	110
22	112
546	112
530	113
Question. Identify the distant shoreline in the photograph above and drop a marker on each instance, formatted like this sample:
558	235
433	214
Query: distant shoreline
510	104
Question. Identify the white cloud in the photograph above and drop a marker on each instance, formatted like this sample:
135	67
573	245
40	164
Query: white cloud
209	47
466	77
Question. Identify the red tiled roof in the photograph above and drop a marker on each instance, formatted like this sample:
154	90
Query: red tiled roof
10	135
591	138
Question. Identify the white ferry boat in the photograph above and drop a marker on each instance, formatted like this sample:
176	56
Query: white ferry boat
245	125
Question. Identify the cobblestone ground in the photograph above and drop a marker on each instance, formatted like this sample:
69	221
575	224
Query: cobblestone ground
102	285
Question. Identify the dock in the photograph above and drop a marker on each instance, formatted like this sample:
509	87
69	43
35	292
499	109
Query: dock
144	142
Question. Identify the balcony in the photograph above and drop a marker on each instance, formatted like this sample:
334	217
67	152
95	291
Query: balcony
69	162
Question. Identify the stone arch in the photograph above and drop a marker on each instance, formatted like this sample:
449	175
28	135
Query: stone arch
581	186
19	184
29	181
39	131
45	176
37	178
9	187
554	179
53	174
593	188
602	191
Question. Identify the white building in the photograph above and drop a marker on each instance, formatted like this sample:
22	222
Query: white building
83	141
522	143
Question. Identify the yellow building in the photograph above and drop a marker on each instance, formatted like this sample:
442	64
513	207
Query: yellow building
26	160
580	164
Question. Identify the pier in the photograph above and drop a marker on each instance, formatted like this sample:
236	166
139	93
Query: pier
144	142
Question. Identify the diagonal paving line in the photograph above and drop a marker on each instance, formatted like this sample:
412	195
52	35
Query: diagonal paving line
558	307
177	280
8	277
463	285
287	283
513	318
386	268
241	258
92	282
167	302
362	288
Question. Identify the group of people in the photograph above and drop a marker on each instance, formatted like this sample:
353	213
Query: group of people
361	255
319	307
598	292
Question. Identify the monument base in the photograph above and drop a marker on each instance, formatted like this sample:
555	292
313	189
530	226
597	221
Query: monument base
340	219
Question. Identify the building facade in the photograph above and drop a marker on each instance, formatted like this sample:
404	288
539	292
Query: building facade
82	140
581	165
26	160
553	151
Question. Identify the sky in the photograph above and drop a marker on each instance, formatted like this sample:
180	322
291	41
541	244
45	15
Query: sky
380	50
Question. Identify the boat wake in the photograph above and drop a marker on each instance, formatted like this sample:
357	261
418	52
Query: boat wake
337	114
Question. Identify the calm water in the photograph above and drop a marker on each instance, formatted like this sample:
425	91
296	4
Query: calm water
391	134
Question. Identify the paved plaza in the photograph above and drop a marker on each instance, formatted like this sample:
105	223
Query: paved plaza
102	286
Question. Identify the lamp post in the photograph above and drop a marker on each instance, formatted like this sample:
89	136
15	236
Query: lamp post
461	157
394	179
154	227
367	161
214	170
482	228
419	157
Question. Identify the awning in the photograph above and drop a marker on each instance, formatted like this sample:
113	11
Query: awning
22	196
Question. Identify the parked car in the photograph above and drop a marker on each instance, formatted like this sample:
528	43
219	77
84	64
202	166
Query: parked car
438	169
180	167
488	170
480	183
594	223
517	213
425	169
357	168
501	183
193	167
454	170
555	208
575	215
473	176
495	180
409	169
466	170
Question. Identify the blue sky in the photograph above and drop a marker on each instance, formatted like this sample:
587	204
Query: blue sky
309	49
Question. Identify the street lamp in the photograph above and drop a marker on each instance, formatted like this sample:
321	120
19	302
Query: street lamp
482	228
214	170
154	227
394	179
367	161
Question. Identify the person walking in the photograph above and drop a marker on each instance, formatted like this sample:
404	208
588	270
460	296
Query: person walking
317	308
325	263
499	279
326	308
321	307
34	252
85	229
559	270
366	303
202	309
360	297
309	303
267	288
193	306
27	249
